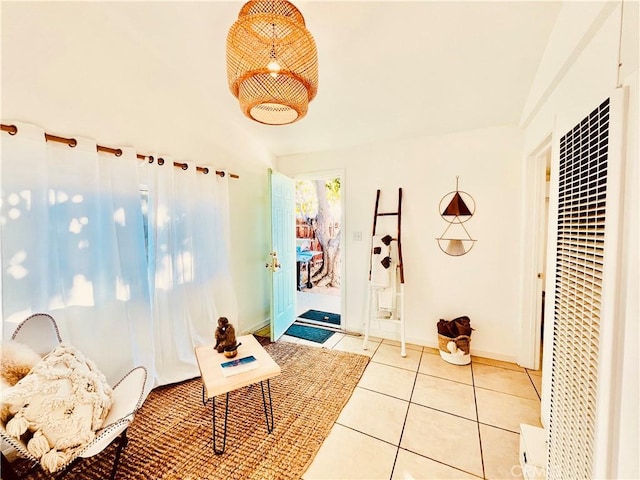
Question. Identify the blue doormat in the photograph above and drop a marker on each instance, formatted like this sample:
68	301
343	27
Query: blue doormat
318	316
313	334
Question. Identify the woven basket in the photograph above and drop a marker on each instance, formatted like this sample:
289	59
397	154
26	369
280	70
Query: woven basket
462	356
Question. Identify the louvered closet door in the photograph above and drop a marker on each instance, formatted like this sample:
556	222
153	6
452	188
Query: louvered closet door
583	310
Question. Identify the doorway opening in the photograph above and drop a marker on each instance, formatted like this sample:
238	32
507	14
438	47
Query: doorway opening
319	201
544	168
535	268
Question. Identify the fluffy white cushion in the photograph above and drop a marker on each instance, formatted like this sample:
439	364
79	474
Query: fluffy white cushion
59	405
17	360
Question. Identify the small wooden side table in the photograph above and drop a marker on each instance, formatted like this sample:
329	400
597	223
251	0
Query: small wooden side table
215	383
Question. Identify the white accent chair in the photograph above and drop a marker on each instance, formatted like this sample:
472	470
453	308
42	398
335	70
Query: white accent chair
40	332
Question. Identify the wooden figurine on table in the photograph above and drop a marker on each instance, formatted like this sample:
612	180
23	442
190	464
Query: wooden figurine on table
225	335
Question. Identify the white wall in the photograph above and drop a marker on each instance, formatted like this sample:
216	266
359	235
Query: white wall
76	69
483	283
578	71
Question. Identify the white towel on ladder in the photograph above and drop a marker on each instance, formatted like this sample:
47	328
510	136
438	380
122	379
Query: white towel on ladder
383	273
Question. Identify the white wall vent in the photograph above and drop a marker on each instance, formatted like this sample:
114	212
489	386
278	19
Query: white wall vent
582	210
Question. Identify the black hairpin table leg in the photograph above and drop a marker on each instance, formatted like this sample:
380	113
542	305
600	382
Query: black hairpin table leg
216	450
268	409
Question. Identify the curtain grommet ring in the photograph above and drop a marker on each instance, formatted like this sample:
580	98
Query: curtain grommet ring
222	174
185	166
151	158
118	152
205	170
160	161
12	130
73	143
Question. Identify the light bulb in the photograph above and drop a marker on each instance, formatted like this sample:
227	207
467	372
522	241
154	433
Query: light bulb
274	68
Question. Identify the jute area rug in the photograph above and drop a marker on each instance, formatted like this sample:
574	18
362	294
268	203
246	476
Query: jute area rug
170	437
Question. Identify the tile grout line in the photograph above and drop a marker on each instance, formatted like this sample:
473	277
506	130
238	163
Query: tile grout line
534	386
510	394
445	378
524	371
351	351
444	411
498	428
365	434
518	368
404	424
394	366
475	399
382	393
439	461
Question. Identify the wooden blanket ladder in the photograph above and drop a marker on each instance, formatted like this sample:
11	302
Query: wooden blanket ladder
398	280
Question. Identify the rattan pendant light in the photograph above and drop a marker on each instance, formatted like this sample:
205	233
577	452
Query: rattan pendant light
272	62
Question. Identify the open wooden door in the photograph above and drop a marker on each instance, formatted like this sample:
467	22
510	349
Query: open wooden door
282	257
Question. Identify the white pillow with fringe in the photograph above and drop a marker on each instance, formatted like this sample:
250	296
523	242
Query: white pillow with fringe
56	409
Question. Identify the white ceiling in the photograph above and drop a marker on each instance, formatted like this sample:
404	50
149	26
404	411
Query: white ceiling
387	69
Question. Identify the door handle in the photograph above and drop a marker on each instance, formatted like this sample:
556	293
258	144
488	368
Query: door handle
273	265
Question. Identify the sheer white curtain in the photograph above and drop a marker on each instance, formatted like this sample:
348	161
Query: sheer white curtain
125	288
214	192
189	273
73	246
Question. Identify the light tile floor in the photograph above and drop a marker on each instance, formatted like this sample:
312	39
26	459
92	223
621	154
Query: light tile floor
420	417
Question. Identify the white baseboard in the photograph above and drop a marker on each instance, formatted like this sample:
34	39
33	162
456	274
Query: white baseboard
434	344
494	356
256	326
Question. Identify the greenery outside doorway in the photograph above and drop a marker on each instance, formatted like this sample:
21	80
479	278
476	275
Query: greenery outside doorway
319	238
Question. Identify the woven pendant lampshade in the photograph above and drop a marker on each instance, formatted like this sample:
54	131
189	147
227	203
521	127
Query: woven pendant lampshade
272	62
